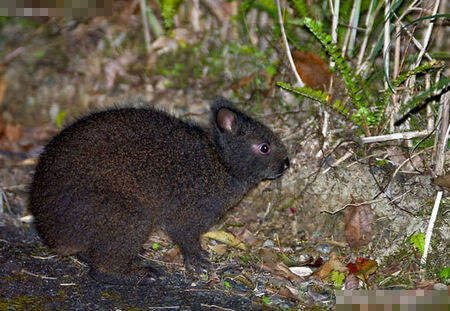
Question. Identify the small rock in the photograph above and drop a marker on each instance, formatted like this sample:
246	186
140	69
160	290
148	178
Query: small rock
323	248
268	244
439	286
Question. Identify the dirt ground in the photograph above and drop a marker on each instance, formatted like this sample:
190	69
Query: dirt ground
298	223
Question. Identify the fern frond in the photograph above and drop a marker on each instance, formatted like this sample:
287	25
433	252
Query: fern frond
317	95
353	82
428	66
443	85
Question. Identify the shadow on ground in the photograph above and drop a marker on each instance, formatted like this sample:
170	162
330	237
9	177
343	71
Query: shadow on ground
31	278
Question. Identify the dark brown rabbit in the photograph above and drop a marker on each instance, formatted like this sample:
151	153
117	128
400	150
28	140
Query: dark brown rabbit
107	181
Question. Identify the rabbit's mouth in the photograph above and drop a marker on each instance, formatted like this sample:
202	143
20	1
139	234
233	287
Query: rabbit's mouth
275	176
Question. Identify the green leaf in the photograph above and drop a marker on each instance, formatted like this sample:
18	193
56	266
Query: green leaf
266	300
445	273
418	240
227	284
244	259
337	278
155	246
60	117
271	70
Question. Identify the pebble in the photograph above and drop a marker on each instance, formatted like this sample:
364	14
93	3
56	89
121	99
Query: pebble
439	286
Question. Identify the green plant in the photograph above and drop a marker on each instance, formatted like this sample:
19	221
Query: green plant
316	95
337	278
418	240
353	82
445	273
227	285
266	300
168	10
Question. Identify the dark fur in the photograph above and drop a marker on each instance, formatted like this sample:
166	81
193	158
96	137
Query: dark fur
105	182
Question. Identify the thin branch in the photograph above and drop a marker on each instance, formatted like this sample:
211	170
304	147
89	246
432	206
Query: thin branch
286	45
354	25
347	155
444	132
406	161
387	39
368	26
414	40
430	117
427	36
363	203
347	34
394	136
195	15
437	202
37	275
334	25
395	97
143	5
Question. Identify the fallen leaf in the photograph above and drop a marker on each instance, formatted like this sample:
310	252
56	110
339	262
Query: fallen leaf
272	264
442	181
358	225
333	264
242	82
268	256
219	248
226	238
282	270
312	69
316	264
2	88
363	268
426	285
247	237
351	282
398	157
12	133
2	125
290	292
301	271
172	254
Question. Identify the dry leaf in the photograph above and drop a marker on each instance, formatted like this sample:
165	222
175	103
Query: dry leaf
272	264
2	88
290	292
242	82
268	256
247	237
398	157
219	248
358	225
312	69
226	238
363	268
301	271
12	133
332	264
281	270
442	181
2	125
316	264
171	254
351	282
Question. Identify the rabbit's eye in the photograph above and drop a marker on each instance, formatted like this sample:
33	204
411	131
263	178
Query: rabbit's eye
264	148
